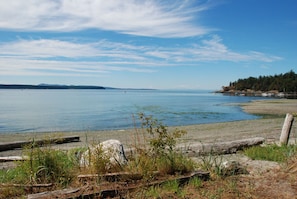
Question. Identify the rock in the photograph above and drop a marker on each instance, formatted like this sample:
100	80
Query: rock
229	168
110	152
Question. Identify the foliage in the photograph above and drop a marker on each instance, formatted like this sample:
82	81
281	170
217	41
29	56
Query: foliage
284	83
157	150
195	182
271	152
45	165
162	143
170	189
161	140
212	163
100	161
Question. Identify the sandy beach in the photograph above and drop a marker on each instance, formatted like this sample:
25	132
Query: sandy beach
268	127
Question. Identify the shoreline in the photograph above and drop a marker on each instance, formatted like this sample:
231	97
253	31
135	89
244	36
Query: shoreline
268	128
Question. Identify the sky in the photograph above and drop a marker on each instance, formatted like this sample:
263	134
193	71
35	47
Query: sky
158	44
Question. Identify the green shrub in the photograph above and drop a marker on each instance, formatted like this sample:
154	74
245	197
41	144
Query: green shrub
161	151
161	140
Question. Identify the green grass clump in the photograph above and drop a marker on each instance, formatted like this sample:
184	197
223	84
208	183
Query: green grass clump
271	152
44	165
170	189
195	182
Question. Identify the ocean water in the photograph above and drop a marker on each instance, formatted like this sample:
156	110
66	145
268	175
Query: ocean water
87	110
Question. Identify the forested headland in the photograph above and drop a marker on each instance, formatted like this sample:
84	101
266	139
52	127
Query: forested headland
282	85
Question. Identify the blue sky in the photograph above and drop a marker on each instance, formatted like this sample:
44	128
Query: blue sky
161	44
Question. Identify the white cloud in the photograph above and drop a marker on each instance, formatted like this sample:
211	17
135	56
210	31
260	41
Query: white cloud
136	17
48	57
209	50
25	67
47	48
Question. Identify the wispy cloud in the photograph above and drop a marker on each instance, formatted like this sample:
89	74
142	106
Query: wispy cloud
135	17
58	57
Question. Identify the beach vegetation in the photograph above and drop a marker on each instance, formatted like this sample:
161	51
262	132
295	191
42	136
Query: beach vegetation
158	150
195	183
212	163
47	165
169	189
272	152
43	166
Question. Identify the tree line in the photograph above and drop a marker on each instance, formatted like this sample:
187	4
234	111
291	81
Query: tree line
286	82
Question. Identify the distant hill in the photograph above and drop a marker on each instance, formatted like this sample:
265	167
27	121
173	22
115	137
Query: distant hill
58	86
46	86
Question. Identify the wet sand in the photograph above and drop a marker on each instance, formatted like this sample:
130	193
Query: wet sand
269	128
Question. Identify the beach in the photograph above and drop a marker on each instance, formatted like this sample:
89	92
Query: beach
268	127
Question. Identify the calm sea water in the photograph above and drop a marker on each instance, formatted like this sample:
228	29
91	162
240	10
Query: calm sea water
76	110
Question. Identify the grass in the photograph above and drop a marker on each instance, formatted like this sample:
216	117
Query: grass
271	152
45	166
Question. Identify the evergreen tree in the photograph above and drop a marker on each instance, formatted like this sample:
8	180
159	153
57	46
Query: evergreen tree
283	83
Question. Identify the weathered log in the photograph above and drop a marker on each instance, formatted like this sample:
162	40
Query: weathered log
27	185
113	191
65	193
19	144
13	158
220	147
108	193
113	177
286	130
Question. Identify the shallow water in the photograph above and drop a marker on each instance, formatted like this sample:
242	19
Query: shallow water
77	110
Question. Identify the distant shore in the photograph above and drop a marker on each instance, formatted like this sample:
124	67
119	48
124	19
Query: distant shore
268	127
249	92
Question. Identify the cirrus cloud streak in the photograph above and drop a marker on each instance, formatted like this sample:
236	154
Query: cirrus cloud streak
134	17
48	57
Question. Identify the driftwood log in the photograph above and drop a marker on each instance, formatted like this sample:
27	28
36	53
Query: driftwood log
13	158
219	148
19	144
112	177
27	186
115	189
